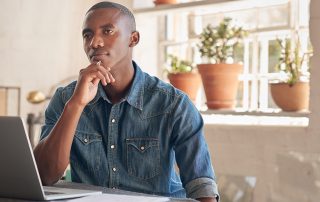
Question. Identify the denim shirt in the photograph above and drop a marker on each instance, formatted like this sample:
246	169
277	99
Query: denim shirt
150	142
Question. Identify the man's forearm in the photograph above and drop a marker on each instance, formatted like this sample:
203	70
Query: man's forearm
52	153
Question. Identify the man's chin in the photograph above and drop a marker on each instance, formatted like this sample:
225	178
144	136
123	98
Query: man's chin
103	62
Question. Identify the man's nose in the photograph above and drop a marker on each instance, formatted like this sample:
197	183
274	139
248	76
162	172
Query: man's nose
96	42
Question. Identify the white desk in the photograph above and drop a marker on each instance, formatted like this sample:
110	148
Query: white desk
104	190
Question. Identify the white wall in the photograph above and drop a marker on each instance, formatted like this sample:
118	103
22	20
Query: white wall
147	48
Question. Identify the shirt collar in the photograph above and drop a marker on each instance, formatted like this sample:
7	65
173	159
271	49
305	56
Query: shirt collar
135	95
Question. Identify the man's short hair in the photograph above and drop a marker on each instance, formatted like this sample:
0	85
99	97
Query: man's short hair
124	11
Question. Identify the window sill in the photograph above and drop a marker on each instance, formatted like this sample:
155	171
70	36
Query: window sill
256	118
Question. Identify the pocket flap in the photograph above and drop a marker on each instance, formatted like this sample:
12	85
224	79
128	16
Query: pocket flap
87	138
142	144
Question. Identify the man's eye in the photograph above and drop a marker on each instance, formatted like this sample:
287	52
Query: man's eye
86	35
108	31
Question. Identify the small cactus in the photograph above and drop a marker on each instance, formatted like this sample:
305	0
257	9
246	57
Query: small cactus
291	60
217	43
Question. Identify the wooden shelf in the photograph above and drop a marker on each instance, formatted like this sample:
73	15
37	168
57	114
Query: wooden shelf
164	9
206	5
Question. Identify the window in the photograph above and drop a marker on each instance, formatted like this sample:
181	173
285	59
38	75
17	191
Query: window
179	26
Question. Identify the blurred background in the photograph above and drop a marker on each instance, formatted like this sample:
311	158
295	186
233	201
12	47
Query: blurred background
260	150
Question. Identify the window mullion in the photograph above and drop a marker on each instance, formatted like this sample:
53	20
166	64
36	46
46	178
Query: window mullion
264	63
254	82
246	79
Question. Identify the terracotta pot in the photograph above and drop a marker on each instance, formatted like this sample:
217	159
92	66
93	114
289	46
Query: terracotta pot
159	2
187	82
291	98
220	82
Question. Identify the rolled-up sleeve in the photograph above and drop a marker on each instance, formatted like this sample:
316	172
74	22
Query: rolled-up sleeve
202	187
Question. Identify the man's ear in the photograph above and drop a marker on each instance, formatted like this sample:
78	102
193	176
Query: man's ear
134	39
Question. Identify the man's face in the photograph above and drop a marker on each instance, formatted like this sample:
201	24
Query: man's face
106	37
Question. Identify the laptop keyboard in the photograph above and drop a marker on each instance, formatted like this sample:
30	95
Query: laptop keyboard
51	193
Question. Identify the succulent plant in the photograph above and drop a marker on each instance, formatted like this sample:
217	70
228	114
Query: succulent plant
291	60
178	65
217	43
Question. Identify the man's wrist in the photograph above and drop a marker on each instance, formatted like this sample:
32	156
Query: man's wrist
73	107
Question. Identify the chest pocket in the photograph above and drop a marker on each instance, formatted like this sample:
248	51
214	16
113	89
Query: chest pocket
86	150
143	157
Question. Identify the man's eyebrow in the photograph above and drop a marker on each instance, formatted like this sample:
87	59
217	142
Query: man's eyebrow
109	25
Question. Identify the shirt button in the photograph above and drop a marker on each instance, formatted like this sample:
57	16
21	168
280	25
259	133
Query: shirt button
113	120
142	148
85	140
114	169
112	146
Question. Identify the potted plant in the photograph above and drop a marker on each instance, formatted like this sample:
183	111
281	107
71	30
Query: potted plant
291	92
220	75
160	2
183	75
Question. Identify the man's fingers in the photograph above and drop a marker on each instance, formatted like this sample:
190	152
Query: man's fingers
97	71
111	77
95	81
103	78
106	72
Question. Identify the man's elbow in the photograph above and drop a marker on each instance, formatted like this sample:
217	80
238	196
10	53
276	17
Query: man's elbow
47	181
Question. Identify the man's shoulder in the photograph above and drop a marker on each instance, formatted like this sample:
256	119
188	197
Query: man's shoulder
160	97
66	91
70	86
163	96
154	85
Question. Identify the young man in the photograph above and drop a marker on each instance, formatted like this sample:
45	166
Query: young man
119	127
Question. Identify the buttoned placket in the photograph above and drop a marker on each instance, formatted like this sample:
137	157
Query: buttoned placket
113	136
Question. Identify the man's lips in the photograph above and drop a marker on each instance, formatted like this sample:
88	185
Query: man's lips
98	57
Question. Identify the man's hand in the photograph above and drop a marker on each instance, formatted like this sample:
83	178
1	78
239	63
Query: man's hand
53	153
87	84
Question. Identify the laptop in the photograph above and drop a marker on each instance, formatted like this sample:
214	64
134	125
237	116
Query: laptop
19	176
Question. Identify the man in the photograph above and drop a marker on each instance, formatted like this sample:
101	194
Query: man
119	127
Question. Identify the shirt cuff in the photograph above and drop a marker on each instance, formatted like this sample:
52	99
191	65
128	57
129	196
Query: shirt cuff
202	187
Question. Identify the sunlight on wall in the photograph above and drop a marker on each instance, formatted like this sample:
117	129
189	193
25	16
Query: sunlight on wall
249	120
